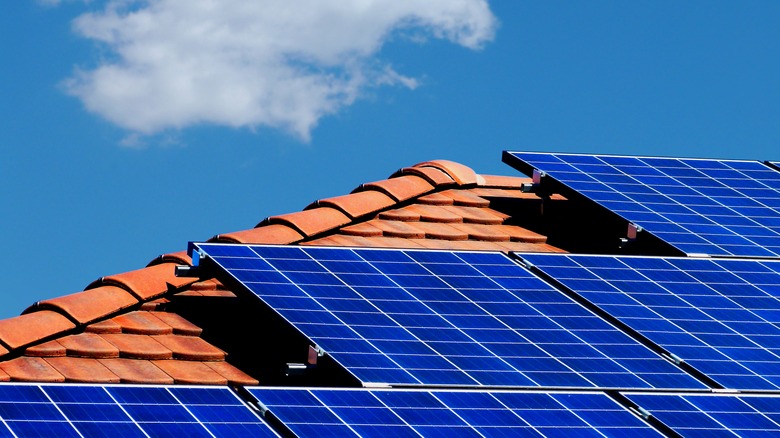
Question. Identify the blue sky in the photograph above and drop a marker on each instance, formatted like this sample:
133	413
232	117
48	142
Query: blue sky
96	183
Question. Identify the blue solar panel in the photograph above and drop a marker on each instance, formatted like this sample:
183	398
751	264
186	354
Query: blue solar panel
714	414
722	316
717	207
125	411
447	318
397	413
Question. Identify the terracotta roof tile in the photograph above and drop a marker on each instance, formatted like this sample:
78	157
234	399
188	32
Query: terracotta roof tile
311	222
461	174
3	350
369	242
528	247
441	231
138	346
82	370
435	199
477	215
88	345
107	326
90	305
179	325
47	349
433	175
504	182
191	373
146	283
231	373
268	234
4	377
504	193
179	258
520	234
137	371
357	204
142	323
31	369
190	348
434	213
486	233
363	229
208	293
25	329
406	230
456	245
157	304
401	188
466	198
400	214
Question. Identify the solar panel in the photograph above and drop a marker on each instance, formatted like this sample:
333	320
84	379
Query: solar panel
714	414
716	207
79	410
339	412
722	316
442	318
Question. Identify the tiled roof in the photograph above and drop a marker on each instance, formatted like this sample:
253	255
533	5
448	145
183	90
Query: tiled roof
130	327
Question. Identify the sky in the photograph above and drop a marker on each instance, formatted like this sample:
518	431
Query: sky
128	128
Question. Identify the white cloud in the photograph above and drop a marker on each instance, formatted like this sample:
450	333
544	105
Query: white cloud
251	63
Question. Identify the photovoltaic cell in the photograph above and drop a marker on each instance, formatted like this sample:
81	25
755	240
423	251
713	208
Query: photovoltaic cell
714	414
721	316
717	207
397	413
442	318
125	411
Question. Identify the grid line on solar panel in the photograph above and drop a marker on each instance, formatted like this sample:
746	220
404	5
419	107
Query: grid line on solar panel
718	207
427	317
443	413
694	415
89	410
721	316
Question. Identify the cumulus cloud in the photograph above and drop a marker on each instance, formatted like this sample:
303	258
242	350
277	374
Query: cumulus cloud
252	63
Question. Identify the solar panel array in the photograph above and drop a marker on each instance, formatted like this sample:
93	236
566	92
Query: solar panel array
716	207
443	318
722	316
126	411
329	412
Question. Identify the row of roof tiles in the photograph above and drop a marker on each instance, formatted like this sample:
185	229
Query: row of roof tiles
113	332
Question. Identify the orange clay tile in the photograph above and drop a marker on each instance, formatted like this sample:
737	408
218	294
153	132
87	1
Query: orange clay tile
441	231
47	349
142	323
504	182
486	233
435	199
138	346
466	198
400	214
528	247
368	242
476	215
179	258
401	188
191	373
503	193
520	234
357	204
180	325
434	213
269	234
212	293
137	371
82	370
459	245
311	222
461	174
90	305
147	283
406	230
88	345
25	329
363	229
190	348
158	304
434	176
31	369
231	373
107	326
4	377
3	350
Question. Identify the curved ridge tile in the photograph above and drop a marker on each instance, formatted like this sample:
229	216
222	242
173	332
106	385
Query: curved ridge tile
401	188
26	329
146	283
311	222
89	305
31	369
180	258
431	174
462	175
357	204
266	234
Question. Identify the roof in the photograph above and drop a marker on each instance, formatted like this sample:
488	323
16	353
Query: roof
148	326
